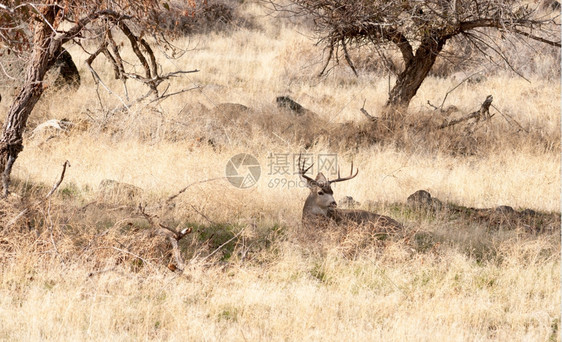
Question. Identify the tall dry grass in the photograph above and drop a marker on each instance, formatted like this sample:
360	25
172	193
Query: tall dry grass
85	266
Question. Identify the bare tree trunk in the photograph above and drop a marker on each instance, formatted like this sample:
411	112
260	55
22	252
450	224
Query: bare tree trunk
42	58
416	70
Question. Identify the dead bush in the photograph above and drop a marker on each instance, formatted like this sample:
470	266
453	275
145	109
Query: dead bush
205	17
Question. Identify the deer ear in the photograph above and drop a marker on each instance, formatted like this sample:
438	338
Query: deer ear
320	178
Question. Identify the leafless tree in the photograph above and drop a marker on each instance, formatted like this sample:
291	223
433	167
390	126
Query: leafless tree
40	29
419	29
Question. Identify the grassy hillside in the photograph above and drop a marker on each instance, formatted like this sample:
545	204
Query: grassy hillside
85	265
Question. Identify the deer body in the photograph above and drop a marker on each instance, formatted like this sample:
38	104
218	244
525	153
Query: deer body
362	217
321	208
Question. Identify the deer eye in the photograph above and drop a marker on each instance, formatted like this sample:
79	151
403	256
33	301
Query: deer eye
320	193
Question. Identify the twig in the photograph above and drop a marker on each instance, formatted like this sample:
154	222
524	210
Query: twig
151	219
494	48
98	80
163	97
512	119
431	105
369	116
453	89
26	210
57	184
280	137
200	213
171	198
6	73
224	244
15	219
51	229
45	20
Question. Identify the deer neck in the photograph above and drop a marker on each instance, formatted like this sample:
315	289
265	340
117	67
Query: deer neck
312	209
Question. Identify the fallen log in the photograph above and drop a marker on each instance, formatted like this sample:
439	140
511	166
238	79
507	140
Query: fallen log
482	113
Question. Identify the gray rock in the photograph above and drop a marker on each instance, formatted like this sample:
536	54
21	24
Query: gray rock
349	203
110	189
423	199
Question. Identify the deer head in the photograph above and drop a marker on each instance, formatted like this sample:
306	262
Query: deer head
321	197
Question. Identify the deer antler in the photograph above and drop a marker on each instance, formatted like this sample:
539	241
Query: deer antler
302	171
351	175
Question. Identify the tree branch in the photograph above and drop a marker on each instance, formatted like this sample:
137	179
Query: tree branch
347	58
539	39
80	24
403	44
134	40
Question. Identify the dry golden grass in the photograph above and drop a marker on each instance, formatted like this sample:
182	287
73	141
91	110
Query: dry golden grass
83	266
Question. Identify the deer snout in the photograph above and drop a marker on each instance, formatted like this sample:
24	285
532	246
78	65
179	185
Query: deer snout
333	205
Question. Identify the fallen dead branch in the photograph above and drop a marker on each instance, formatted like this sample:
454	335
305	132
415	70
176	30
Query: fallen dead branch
171	234
367	115
482	114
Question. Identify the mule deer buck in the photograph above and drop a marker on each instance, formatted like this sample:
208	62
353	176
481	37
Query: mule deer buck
321	208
